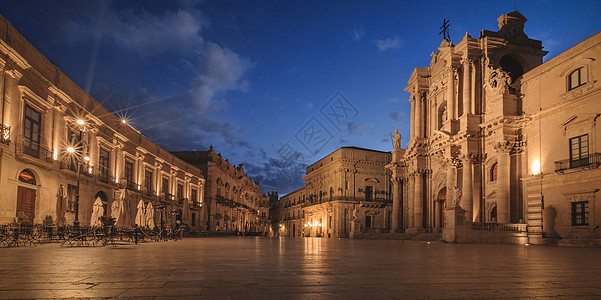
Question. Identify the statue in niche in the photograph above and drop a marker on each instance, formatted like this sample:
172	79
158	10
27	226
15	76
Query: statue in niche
397	139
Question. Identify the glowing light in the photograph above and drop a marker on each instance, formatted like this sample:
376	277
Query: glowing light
117	179
535	167
124	121
70	149
526	244
80	122
87	158
55	154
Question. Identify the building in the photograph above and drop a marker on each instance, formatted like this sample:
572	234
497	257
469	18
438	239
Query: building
482	113
347	193
233	200
49	125
562	104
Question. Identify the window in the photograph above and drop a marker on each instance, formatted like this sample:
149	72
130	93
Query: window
577	78
580	213
389	219
579	151
103	165
493	172
165	186
129	174
368	220
180	191
33	121
369	193
148	182
193	195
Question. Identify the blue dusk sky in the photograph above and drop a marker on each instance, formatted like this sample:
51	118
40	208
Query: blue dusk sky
275	85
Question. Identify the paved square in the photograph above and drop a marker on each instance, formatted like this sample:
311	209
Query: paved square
310	268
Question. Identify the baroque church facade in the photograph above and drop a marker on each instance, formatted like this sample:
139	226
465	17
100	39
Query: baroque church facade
480	115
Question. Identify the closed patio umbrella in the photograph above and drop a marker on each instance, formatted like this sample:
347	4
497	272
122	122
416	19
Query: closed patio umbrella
141	214
186	212
61	195
120	216
97	212
150	216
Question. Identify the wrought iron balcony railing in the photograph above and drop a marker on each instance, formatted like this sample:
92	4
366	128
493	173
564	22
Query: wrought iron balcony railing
592	160
34	150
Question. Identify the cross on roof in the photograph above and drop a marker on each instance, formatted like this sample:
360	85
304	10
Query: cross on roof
445	30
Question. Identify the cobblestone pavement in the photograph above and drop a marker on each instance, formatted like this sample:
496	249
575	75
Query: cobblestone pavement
310	268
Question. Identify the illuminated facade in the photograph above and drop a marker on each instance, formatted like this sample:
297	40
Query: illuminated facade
345	194
233	201
49	125
484	114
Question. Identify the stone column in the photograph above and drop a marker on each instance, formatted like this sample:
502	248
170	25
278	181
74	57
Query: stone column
418	116
467	89
473	82
412	121
476	197
410	202
503	181
451	94
418	198
451	180
396	203
467	187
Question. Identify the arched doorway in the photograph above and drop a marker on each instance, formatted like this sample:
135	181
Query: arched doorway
26	194
441	202
105	201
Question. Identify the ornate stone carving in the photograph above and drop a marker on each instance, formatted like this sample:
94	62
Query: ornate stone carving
497	79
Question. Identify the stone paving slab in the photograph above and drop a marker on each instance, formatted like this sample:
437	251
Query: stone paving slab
309	268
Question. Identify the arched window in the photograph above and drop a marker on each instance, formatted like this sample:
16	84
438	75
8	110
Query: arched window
493	172
27	176
577	78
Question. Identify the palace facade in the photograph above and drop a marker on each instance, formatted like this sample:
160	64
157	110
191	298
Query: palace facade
345	194
233	201
503	148
59	144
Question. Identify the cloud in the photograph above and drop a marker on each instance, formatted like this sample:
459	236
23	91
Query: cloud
285	173
309	105
397	116
357	128
358	34
148	34
221	70
389	43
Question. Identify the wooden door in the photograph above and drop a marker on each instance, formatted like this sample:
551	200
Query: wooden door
26	202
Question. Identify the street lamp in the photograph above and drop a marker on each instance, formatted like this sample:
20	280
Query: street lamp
80	158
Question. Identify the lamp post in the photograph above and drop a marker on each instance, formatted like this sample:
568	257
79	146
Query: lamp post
79	158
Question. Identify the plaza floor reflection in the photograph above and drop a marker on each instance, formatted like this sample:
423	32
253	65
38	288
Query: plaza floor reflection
240	267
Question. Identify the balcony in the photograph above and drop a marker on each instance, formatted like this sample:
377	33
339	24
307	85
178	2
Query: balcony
593	160
131	185
34	150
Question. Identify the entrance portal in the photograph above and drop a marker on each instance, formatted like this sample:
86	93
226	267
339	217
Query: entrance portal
441	199
26	196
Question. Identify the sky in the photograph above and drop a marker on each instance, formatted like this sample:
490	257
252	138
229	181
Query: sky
275	85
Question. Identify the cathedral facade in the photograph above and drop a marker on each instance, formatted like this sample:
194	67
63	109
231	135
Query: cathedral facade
479	113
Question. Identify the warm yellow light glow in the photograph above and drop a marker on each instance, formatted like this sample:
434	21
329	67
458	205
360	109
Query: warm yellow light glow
124	121
306	225
535	167
80	122
70	149
86	158
55	154
117	179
